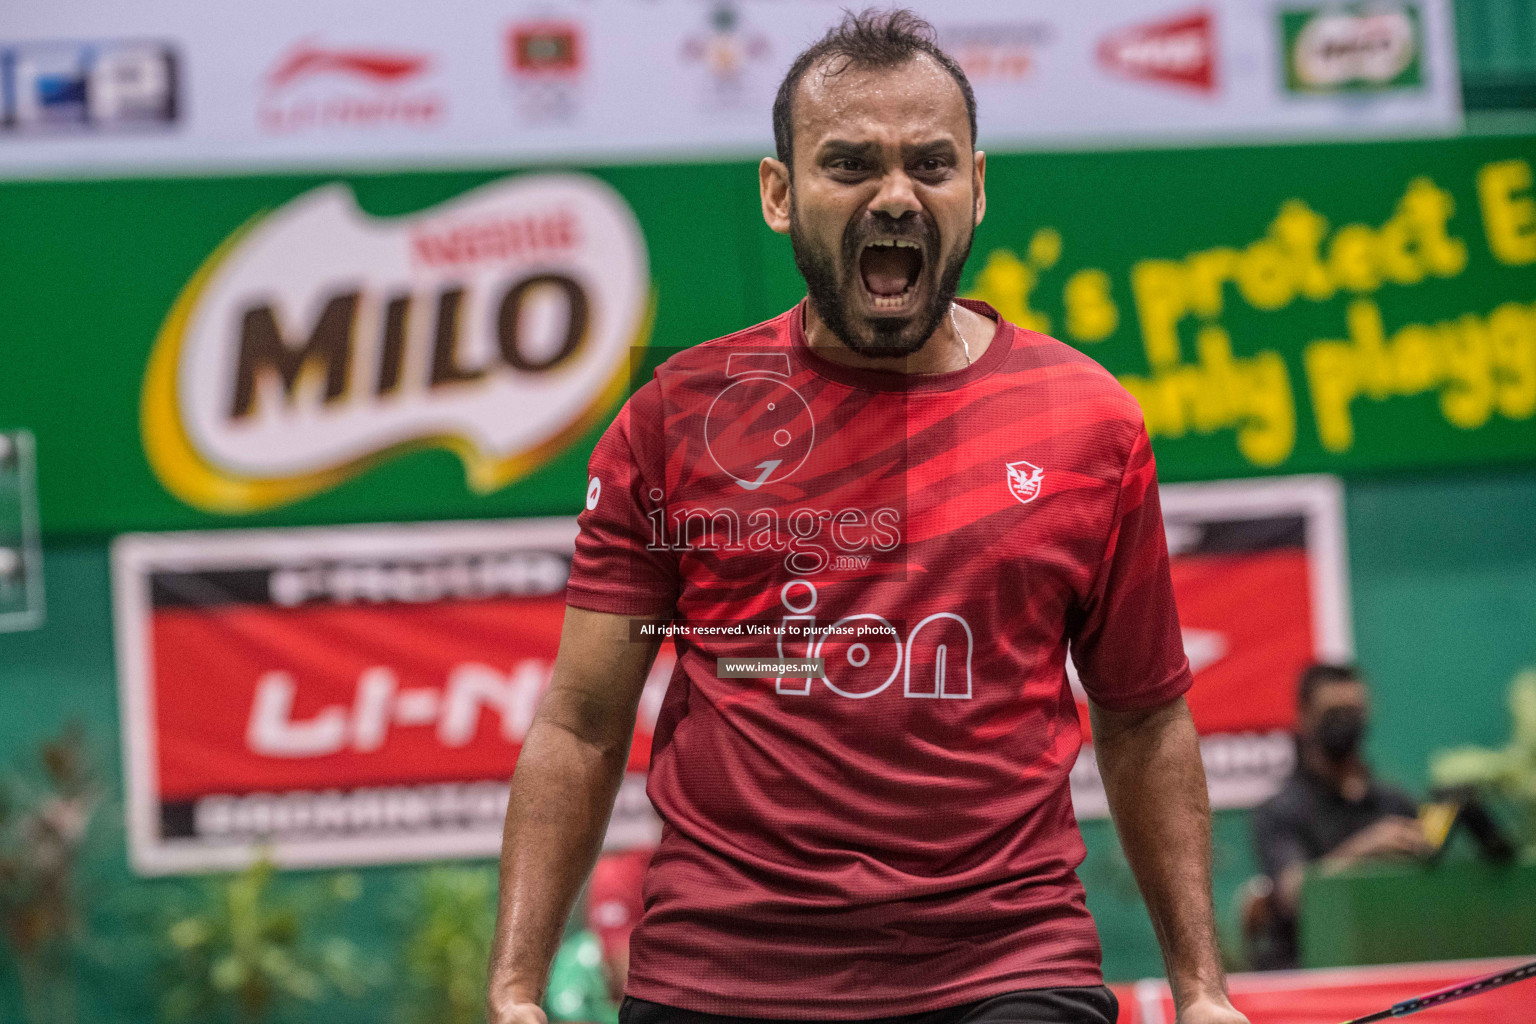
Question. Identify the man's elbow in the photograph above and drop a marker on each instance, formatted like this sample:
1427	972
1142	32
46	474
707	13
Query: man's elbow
1110	725
596	725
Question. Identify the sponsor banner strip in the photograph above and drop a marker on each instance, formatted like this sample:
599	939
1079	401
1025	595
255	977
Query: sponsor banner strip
443	346
375	683
165	88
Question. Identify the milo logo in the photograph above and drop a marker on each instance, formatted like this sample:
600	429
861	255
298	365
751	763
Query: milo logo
1365	46
317	340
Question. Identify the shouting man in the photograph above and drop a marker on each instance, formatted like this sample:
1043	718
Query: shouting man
917	508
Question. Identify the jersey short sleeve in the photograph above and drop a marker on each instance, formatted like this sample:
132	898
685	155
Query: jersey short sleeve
1127	647
616	567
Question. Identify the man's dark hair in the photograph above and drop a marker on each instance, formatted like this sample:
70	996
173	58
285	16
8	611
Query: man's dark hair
1320	673
872	39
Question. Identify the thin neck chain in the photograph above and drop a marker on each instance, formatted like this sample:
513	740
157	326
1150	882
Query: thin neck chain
955	324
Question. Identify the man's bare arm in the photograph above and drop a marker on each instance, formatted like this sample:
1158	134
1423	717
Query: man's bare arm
1150	763
563	790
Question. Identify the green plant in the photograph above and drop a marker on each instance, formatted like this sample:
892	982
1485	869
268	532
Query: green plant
448	950
41	832
243	954
1508	772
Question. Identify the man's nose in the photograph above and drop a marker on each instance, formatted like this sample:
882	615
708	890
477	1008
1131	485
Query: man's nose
896	198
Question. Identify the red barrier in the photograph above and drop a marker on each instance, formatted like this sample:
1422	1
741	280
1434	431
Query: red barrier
1343	993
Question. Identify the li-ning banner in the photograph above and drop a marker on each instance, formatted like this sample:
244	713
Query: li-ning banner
1259	575
343	696
361	694
303	349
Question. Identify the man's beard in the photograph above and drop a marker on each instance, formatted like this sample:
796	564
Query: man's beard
883	337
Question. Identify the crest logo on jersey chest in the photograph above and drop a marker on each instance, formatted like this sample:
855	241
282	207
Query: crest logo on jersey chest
1024	480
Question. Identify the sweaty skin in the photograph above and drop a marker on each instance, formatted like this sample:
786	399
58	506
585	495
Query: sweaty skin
562	796
1155	781
888	148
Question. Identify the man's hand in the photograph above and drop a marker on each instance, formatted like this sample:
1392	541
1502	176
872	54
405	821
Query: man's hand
517	1013
1210	1010
1393	837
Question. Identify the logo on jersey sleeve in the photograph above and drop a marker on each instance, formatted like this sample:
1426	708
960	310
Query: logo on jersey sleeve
1024	480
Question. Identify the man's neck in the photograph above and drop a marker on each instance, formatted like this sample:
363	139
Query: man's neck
943	352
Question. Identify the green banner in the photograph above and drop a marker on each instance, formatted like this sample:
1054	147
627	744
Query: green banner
306	349
1322	308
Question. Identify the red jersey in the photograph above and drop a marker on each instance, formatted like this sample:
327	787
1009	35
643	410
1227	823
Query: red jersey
895	834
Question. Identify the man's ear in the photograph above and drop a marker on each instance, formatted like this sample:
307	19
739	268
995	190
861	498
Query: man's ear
773	184
979	183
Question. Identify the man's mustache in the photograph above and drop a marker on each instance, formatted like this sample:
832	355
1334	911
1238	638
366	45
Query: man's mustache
920	231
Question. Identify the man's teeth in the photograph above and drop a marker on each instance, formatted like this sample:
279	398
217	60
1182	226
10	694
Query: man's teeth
898	301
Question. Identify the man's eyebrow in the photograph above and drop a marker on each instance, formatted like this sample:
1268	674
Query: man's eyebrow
844	147
834	149
938	147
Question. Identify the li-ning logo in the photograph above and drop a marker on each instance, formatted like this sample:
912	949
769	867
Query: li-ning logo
307	59
317	88
1024	480
317	341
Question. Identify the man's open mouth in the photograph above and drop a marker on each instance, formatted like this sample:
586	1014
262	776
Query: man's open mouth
890	269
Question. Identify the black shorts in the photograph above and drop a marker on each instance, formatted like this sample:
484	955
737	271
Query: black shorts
1095	1005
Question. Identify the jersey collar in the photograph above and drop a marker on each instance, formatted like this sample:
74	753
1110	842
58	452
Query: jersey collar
890	380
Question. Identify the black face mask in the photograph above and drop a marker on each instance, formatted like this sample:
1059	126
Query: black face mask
1339	732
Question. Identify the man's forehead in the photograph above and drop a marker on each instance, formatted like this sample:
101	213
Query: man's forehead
1340	689
918	97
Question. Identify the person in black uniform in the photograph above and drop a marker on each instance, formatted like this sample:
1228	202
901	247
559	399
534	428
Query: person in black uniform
1331	812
